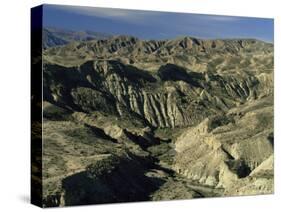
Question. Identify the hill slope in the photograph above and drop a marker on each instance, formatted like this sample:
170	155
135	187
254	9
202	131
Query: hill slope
186	117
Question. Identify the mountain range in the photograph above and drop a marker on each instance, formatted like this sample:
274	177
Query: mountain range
56	36
127	119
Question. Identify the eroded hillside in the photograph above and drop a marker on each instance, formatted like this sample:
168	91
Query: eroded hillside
133	120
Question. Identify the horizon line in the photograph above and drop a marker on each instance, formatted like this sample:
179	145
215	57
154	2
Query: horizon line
161	39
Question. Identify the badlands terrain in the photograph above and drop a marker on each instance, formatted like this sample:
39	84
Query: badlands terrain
128	120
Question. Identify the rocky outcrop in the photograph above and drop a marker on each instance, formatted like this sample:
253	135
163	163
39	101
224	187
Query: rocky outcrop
222	150
260	181
172	97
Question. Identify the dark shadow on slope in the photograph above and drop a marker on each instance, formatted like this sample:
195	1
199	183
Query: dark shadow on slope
144	141
171	72
239	167
61	80
270	138
111	181
100	133
133	74
87	134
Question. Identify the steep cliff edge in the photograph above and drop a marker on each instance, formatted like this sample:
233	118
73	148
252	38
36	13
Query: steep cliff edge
221	151
171	97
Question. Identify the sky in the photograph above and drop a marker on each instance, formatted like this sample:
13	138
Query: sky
156	25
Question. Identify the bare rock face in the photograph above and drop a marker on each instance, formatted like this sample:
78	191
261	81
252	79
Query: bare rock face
115	88
222	150
130	120
260	181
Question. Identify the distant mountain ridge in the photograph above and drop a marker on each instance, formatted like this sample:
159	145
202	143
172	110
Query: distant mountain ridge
195	54
56	37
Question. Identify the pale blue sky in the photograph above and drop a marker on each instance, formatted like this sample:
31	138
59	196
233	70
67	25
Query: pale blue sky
156	25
